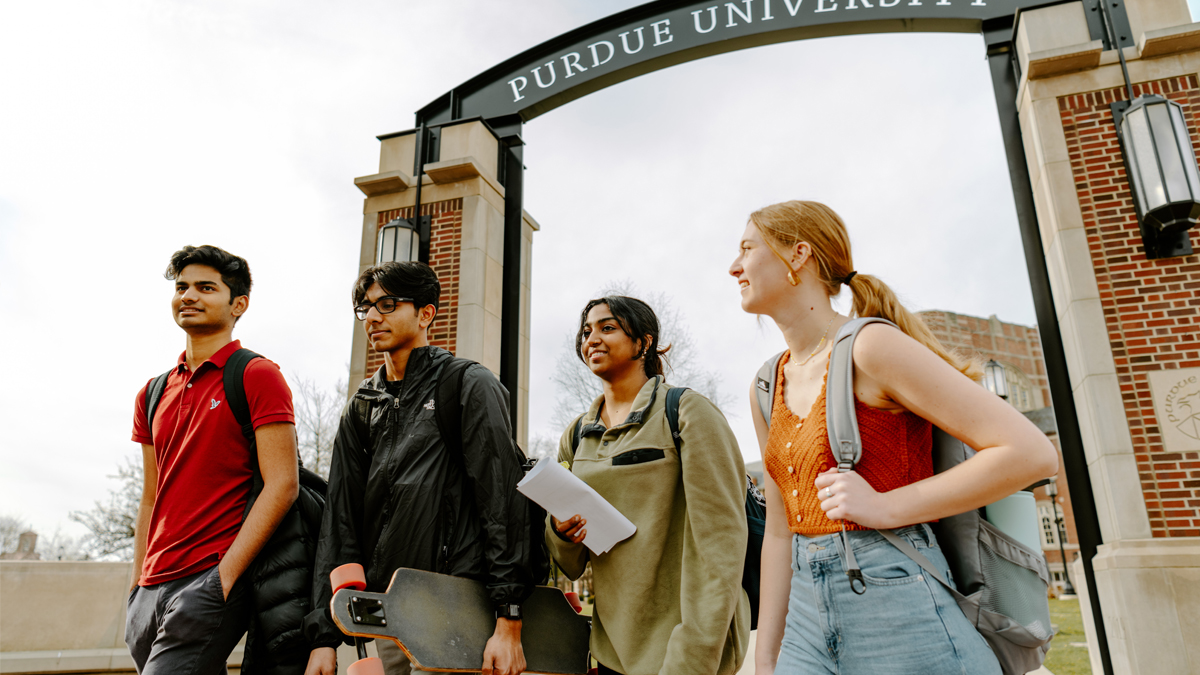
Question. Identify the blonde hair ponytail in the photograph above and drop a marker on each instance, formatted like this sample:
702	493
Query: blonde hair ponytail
788	223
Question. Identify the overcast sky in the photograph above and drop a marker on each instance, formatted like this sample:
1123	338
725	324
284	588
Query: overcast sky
128	129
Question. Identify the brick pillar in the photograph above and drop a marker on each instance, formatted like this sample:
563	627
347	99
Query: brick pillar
1151	307
461	193
1129	324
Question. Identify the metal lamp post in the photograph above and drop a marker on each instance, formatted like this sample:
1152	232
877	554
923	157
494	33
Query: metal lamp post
1052	493
398	241
995	379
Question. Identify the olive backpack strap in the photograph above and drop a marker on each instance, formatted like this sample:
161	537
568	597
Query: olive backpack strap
764	386
154	392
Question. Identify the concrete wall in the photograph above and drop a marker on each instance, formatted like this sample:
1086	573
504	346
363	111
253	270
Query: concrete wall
69	617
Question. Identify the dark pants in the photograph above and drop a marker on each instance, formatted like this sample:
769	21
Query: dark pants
185	626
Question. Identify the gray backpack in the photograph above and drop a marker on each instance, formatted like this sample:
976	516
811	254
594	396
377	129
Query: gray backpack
1003	581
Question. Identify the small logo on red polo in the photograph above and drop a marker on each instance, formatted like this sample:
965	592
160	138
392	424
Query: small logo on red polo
213	405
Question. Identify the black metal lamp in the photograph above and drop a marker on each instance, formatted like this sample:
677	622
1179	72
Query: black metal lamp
995	379
1161	166
398	241
1052	493
1159	162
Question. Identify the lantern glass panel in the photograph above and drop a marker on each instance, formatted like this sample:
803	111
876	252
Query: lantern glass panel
1186	151
407	246
1168	152
995	379
1145	161
387	245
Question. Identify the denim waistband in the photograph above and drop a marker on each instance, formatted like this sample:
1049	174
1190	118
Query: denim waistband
826	546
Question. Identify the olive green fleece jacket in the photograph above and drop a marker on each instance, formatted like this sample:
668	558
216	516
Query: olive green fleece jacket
669	599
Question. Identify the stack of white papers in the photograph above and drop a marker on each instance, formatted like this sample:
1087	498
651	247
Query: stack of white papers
563	495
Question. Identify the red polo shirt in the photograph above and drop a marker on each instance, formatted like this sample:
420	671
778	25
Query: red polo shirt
204	469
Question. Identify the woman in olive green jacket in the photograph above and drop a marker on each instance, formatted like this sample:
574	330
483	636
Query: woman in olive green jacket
669	598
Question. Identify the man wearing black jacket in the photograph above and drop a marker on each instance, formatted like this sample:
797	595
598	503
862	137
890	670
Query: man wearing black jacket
398	498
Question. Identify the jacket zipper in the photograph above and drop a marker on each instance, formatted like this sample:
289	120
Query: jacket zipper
387	515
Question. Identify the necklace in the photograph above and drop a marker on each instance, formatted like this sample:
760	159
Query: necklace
819	344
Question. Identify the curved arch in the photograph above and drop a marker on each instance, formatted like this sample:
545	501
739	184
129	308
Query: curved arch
664	33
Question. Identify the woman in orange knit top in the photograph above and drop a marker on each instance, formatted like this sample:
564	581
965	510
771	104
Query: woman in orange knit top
793	258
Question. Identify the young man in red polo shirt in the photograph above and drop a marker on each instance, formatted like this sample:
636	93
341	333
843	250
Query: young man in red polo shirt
188	605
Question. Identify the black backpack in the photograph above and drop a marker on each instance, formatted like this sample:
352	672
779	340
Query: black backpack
756	506
281	598
448	411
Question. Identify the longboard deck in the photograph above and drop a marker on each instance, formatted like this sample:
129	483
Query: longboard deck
443	623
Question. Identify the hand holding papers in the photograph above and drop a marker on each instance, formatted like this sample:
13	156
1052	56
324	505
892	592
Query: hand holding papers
563	495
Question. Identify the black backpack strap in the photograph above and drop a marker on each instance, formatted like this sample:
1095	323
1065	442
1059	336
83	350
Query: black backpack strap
232	380
235	393
154	392
672	401
576	436
447	405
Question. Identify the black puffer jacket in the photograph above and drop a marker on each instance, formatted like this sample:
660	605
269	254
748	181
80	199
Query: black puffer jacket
282	575
397	498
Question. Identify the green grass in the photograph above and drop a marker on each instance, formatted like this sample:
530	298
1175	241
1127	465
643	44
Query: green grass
1063	658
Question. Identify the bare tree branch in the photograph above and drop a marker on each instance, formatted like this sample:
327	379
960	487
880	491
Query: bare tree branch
112	523
11	528
317	413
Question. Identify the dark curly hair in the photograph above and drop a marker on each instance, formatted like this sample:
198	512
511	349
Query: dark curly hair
637	320
234	270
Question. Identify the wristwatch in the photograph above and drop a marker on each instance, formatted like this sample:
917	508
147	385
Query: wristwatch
512	612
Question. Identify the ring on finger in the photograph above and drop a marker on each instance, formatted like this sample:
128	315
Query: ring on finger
828	493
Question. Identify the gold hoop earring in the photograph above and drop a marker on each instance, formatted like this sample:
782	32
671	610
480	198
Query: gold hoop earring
792	278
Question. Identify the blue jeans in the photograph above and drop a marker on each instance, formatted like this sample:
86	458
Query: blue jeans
904	622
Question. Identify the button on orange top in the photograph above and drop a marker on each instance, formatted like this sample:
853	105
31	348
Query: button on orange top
896	452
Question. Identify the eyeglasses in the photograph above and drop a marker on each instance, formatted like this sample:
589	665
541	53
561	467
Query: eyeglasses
385	305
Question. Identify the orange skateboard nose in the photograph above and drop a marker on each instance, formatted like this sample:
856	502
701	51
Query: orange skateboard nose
350	576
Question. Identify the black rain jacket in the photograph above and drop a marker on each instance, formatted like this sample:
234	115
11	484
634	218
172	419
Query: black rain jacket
397	498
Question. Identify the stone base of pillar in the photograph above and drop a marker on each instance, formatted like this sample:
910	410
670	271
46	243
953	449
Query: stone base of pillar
1150	598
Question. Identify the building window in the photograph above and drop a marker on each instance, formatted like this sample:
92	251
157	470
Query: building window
1020	389
1049	529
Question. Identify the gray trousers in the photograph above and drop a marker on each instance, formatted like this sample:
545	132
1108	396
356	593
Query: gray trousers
185	626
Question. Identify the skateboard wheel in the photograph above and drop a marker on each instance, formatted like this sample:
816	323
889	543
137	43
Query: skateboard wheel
370	666
350	576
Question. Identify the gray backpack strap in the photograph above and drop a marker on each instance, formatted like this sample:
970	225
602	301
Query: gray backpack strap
764	386
844	439
910	551
842	422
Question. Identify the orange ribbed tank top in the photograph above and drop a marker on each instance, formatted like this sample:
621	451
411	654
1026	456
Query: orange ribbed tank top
897	451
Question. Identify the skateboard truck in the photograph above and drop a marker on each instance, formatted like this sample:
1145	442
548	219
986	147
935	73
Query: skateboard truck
367	611
364	610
